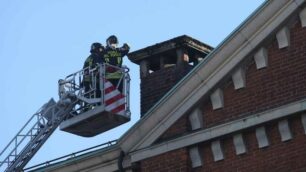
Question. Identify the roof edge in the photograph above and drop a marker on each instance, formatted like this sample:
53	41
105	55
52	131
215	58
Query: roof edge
177	42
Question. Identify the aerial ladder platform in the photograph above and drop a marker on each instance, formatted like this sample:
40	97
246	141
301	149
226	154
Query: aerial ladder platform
81	110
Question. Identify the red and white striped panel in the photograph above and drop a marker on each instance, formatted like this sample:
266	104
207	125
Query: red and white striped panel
114	100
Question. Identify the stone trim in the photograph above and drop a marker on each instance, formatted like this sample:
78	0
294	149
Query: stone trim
217	150
284	130
283	37
239	144
238	78
261	58
262	138
302	15
195	156
216	99
196	119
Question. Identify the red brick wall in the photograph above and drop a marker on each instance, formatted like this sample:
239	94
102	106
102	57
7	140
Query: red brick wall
282	82
181	127
174	161
278	156
157	84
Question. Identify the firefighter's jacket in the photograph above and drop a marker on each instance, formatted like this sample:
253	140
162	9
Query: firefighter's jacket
92	62
114	57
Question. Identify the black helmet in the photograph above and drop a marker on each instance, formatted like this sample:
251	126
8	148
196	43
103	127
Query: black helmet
95	47
111	40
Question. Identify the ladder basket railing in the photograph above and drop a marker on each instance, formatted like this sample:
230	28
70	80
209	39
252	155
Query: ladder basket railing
90	85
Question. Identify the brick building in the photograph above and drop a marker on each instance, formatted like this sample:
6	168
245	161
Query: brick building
239	107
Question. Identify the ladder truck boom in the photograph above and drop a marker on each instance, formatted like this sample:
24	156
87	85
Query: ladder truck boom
37	134
80	111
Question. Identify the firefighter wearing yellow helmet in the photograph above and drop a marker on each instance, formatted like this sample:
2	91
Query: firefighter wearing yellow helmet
113	55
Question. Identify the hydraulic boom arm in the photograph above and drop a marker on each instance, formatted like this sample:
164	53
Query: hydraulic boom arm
35	133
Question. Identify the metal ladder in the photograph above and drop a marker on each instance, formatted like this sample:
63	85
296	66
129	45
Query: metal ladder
35	132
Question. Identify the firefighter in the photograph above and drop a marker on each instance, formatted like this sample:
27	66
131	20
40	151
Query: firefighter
113	55
95	57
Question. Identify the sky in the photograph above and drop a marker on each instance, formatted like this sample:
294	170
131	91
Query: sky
42	41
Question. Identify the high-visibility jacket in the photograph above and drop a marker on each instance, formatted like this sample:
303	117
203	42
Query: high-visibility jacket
114	57
113	75
92	61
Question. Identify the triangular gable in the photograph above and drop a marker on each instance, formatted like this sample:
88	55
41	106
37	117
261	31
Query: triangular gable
202	80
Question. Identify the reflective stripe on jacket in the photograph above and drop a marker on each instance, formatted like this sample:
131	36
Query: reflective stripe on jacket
113	75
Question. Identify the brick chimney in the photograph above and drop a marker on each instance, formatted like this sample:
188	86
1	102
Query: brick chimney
164	64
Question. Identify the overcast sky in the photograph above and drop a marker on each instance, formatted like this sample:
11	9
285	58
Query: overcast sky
42	41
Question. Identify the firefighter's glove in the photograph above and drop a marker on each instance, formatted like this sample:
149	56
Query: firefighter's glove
126	46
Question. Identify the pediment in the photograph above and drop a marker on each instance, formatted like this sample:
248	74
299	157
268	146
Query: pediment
248	41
